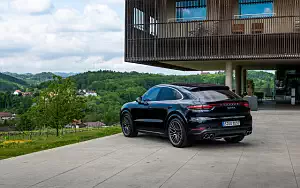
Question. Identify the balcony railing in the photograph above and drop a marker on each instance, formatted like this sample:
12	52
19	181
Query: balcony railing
244	38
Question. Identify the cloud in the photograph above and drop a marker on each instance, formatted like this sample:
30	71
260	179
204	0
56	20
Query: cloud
12	40
186	11
66	32
66	39
95	17
3	5
267	10
31	6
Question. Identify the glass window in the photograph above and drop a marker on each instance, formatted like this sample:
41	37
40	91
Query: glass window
169	94
215	95
153	26
252	9
138	19
191	10
151	95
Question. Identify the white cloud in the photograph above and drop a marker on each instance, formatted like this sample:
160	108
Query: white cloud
267	10
65	39
12	39
66	15
67	32
31	6
95	17
4	4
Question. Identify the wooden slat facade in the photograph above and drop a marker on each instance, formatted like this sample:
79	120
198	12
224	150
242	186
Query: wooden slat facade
151	33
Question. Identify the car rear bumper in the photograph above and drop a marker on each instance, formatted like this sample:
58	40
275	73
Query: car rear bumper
221	132
213	126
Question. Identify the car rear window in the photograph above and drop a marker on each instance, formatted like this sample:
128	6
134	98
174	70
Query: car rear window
215	95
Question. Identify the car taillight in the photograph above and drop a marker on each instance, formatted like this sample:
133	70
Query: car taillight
201	107
245	104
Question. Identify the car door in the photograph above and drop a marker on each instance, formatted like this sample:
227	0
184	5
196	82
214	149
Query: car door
141	112
159	109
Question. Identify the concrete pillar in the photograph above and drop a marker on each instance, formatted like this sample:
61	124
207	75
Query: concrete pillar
238	80
228	72
244	80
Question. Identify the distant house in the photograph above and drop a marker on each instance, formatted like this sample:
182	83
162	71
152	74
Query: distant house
204	72
76	124
73	126
86	93
81	92
94	124
26	94
6	116
90	93
20	93
17	92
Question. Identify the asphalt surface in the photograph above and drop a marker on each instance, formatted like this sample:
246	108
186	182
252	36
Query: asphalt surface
270	157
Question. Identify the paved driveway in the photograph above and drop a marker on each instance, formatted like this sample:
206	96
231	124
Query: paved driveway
268	158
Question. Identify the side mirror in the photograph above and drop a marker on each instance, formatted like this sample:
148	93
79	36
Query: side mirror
139	100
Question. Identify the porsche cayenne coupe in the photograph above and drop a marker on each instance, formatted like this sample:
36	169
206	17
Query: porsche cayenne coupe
185	112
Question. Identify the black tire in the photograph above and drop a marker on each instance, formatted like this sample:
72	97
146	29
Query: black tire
235	139
177	133
128	128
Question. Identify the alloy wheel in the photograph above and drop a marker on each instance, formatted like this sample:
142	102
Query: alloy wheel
126	125
175	132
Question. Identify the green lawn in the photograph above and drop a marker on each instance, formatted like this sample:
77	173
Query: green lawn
40	143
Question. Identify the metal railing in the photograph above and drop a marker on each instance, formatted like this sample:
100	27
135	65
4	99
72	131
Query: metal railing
254	15
245	38
183	28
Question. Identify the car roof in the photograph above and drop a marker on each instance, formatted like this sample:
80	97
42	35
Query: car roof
197	86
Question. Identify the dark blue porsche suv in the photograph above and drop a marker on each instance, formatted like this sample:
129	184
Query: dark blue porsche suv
185	112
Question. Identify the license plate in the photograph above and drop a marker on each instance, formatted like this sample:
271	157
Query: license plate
231	123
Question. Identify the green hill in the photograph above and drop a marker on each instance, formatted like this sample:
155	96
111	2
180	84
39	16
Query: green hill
112	81
9	83
32	79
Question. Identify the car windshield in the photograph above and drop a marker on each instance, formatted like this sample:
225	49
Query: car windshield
215	95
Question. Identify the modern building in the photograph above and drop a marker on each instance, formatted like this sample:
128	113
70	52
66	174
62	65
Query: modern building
210	35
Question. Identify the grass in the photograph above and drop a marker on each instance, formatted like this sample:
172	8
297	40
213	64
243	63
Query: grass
16	148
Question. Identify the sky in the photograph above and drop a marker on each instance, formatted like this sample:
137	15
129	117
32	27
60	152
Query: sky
65	36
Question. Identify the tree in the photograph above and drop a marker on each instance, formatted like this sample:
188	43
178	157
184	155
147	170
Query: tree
59	105
25	123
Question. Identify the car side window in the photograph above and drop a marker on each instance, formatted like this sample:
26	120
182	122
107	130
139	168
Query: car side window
151	95
169	94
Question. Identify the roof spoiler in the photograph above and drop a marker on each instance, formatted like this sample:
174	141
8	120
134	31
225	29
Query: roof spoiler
201	87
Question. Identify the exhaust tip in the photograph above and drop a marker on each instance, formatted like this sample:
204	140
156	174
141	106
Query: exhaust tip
209	136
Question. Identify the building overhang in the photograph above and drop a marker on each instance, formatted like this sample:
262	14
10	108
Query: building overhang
264	64
166	65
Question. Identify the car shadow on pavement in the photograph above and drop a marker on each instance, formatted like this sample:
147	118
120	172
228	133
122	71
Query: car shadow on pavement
209	144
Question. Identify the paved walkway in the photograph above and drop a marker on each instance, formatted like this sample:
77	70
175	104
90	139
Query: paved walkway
268	158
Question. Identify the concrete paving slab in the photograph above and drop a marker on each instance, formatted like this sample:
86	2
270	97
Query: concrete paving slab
268	158
153	171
